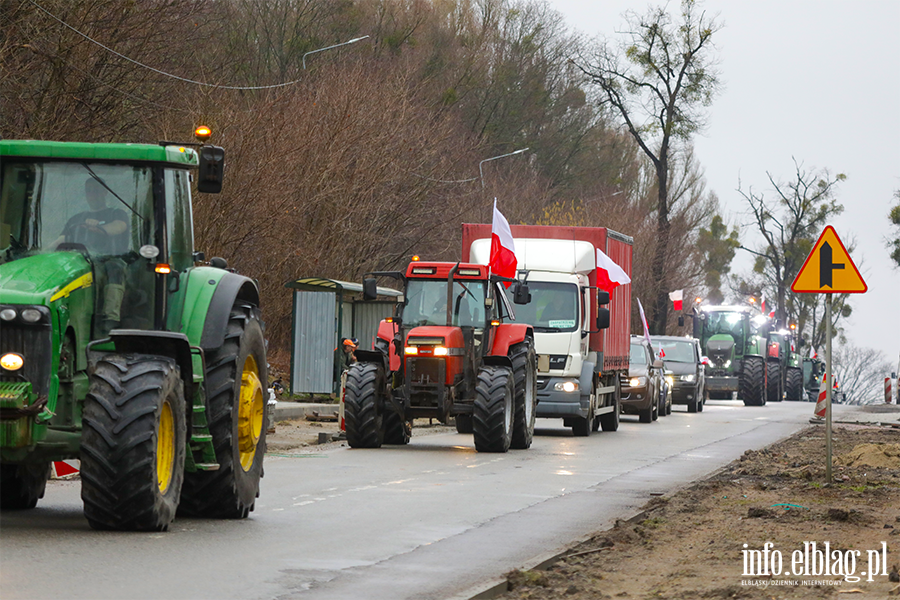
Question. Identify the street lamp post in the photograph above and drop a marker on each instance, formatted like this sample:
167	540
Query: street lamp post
353	41
481	171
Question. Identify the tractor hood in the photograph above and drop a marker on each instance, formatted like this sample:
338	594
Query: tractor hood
37	279
720	350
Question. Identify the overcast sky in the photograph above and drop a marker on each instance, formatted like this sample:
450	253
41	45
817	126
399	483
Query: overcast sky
813	80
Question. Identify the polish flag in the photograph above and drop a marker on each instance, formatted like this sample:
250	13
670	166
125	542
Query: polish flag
812	352
772	314
644	321
676	297
503	251
762	303
609	274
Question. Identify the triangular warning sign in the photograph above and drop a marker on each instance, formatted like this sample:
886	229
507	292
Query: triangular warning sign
829	268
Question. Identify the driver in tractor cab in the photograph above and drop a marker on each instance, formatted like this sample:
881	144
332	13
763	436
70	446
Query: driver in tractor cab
103	231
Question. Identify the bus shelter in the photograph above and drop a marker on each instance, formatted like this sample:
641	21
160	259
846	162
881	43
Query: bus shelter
324	312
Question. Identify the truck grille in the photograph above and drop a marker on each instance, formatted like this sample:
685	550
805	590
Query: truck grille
425	371
33	343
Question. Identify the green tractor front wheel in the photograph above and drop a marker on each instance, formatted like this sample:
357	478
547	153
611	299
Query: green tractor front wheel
133	445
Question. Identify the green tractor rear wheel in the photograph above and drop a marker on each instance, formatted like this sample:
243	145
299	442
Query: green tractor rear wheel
235	386
21	486
133	445
753	381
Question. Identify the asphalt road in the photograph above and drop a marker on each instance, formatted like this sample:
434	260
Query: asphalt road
434	519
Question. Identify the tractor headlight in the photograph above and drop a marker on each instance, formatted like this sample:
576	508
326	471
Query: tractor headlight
8	314
12	361
566	386
440	351
412	350
727	364
31	315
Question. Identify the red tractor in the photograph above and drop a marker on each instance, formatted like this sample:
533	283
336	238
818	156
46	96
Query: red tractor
447	352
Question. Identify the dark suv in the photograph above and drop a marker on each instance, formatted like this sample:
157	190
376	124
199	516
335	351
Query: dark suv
682	358
640	391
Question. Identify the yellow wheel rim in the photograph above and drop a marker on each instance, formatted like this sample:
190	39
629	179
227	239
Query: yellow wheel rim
165	448
250	413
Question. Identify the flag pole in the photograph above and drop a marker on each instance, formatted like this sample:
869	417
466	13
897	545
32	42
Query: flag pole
828	388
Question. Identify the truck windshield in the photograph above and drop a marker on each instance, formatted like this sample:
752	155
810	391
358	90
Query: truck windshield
553	307
427	303
682	352
106	208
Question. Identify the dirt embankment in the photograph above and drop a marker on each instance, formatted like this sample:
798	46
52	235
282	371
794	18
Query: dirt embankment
710	540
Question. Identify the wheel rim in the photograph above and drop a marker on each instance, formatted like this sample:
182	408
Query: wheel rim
250	413
165	448
529	396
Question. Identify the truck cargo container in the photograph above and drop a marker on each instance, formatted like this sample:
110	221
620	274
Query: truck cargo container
580	357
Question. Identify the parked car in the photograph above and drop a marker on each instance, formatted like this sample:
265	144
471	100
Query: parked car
641	390
684	364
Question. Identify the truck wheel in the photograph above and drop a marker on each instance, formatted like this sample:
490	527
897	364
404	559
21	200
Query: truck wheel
492	415
610	421
396	430
693	406
753	381
21	486
236	408
774	389
133	444
362	416
464	424
524	363
794	380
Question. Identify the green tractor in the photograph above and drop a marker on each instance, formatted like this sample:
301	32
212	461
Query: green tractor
813	369
115	349
784	368
735	353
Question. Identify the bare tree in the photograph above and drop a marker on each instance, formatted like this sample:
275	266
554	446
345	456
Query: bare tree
656	80
790	224
860	373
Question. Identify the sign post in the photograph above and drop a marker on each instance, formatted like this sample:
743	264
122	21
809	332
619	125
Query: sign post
828	270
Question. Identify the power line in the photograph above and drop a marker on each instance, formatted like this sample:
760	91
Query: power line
140	64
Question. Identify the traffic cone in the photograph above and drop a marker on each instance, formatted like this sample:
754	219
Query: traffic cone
821	403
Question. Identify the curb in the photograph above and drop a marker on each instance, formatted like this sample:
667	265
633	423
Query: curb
297	410
499	585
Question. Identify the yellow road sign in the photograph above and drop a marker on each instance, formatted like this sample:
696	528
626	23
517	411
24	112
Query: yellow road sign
829	268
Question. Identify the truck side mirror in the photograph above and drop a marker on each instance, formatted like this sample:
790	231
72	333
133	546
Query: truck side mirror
212	169
602	318
658	364
521	295
370	288
602	298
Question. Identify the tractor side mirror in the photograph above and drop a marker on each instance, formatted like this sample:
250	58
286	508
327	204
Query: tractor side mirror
370	288
212	169
521	295
602	318
602	298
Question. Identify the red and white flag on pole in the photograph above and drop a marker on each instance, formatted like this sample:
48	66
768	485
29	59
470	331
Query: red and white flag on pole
812	352
609	274
762	303
676	297
503	250
644	321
